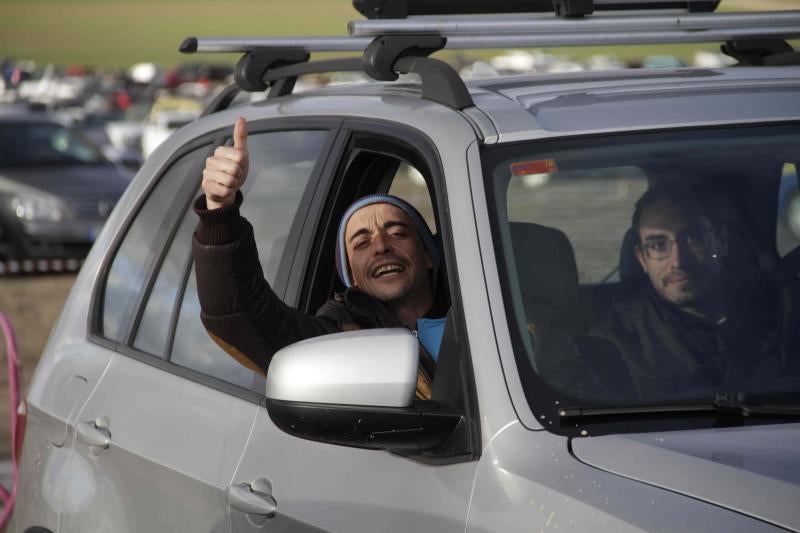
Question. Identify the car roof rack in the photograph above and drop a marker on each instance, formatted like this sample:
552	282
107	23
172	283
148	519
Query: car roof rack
279	80
401	9
276	63
398	46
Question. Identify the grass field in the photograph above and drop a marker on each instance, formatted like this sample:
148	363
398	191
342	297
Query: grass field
119	33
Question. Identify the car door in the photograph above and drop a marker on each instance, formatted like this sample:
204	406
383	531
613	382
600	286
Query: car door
286	483
159	438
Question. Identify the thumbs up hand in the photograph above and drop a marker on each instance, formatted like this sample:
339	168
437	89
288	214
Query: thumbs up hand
226	170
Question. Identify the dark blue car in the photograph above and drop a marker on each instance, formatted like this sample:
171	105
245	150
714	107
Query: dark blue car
56	188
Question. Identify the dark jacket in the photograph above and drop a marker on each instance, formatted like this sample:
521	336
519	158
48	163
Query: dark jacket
245	317
672	354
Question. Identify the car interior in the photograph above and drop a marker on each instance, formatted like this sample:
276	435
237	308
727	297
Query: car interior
381	164
559	306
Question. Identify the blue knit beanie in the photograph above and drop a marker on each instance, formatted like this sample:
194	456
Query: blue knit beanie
425	234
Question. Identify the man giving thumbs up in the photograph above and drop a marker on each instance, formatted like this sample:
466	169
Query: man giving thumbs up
386	257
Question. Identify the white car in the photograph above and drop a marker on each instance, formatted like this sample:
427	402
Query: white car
159	126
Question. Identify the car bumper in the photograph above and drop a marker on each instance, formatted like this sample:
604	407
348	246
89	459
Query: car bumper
64	239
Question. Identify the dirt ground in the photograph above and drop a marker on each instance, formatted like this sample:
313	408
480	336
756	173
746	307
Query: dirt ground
33	303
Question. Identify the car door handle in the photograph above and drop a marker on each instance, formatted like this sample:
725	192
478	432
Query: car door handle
93	434
252	498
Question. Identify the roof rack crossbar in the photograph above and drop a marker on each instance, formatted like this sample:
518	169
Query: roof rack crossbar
385	9
614	38
453	26
245	44
525	40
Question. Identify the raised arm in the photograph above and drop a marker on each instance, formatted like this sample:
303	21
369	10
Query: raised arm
239	309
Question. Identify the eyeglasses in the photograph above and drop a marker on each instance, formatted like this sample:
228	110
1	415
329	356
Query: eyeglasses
658	248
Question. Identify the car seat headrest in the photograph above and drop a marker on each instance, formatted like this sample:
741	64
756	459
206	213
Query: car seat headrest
547	271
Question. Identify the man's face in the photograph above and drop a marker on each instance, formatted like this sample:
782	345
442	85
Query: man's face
678	252
387	257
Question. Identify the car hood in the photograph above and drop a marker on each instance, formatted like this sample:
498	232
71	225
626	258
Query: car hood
67	180
753	470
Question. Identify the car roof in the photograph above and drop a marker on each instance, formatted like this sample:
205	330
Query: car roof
538	106
515	108
624	100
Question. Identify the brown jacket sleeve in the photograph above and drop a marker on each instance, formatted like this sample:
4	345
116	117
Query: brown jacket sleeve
238	307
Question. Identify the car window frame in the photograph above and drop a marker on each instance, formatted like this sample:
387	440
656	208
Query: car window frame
536	391
188	192
95	315
328	198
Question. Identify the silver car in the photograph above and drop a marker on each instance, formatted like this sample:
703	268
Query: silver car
138	422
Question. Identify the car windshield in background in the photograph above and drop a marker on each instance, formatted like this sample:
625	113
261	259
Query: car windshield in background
695	296
27	144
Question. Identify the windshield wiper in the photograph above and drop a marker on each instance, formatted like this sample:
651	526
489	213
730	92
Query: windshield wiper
734	404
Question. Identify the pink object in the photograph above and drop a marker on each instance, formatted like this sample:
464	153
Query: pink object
18	412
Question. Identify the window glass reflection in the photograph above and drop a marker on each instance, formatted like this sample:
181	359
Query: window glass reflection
152	334
127	273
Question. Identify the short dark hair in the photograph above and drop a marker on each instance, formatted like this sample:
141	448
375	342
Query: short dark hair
682	194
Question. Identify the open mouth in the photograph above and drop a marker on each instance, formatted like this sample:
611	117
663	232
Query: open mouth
388	270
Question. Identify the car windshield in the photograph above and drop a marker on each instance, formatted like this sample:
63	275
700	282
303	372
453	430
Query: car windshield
692	294
27	144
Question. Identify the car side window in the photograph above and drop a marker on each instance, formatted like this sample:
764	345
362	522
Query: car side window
128	272
153	332
281	164
409	184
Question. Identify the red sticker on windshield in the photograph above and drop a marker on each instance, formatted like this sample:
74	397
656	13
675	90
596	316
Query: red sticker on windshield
541	166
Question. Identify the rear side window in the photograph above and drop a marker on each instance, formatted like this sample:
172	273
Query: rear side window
281	165
126	277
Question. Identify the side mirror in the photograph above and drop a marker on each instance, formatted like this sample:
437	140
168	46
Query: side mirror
375	367
356	389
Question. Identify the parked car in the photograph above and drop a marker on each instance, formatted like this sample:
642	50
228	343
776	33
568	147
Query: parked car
167	115
138	422
56	188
